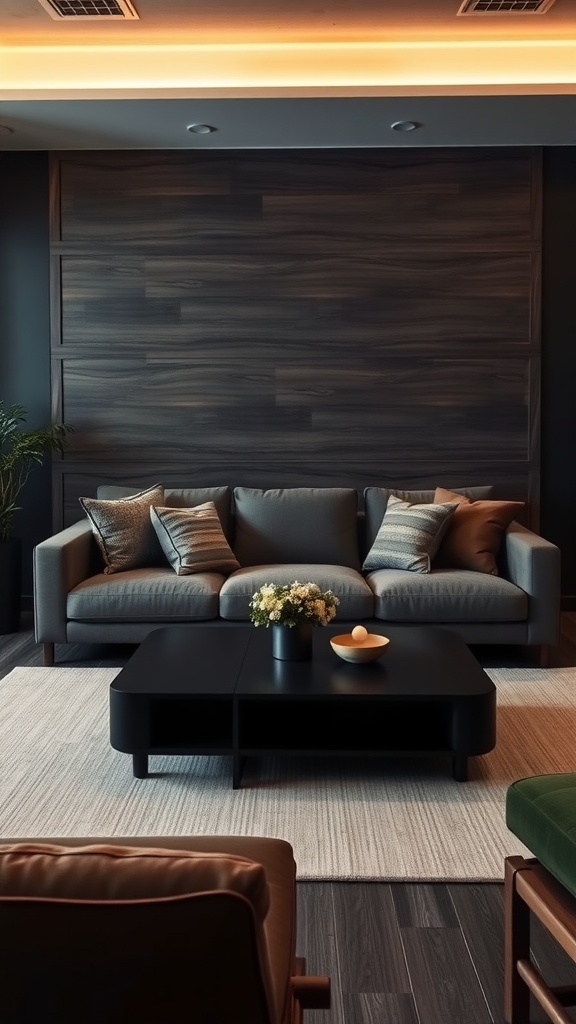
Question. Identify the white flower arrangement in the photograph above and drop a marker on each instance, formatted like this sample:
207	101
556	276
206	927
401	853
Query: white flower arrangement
291	604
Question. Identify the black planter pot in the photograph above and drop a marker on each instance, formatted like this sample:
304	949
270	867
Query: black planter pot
10	584
292	643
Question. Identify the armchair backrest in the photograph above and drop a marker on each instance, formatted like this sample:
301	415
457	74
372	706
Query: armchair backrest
120	935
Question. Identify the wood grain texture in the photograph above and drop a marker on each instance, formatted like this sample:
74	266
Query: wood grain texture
365	920
299	317
480	914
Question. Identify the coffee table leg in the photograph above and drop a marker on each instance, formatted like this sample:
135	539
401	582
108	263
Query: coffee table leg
460	767
237	770
140	765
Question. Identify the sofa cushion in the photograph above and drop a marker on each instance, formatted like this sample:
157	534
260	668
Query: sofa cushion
475	532
145	595
409	536
123	530
299	524
182	497
356	599
444	596
193	540
376	499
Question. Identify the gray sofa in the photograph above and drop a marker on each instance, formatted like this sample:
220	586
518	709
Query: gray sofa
278	536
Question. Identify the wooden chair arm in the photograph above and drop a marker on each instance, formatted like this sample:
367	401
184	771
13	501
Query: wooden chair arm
313	993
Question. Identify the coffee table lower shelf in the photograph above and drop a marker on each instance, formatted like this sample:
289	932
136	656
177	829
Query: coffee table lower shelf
388	729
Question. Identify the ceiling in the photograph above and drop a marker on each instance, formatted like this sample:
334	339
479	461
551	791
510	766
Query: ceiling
286	73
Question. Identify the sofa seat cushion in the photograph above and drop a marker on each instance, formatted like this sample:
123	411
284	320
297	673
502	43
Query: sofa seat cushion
144	595
541	811
356	598
447	595
296	524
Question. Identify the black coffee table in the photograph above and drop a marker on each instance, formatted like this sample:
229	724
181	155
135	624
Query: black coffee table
218	690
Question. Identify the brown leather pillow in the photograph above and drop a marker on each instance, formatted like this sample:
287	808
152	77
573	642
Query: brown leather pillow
475	532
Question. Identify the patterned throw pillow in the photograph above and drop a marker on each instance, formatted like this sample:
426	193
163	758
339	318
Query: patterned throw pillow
409	536
123	530
193	540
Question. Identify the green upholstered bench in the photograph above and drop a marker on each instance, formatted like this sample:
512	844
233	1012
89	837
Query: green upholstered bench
541	812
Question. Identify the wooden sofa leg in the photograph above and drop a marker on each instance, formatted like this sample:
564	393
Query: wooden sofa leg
545	655
48	655
516	946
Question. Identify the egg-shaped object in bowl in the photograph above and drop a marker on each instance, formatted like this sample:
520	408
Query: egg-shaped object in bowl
372	647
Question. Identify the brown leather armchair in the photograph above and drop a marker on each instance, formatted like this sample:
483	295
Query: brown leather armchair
151	930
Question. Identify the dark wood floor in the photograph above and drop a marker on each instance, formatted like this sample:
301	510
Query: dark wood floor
399	953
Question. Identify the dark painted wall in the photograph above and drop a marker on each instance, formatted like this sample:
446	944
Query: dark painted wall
25	353
25	323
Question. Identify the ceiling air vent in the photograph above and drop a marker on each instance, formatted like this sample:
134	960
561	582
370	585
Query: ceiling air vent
90	10
505	6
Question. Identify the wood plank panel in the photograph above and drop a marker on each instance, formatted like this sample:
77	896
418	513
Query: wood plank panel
299	317
394	408
464	300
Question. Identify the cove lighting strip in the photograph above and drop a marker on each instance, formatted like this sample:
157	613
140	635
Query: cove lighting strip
97	71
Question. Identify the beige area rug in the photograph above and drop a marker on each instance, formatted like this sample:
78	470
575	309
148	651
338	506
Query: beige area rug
402	819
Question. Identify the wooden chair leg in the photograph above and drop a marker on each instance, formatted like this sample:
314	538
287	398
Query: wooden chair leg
516	946
308	992
48	655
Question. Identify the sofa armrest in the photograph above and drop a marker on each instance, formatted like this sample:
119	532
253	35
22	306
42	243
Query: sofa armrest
60	563
533	564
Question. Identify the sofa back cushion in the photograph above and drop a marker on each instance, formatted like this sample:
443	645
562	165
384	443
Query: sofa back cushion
298	524
376	500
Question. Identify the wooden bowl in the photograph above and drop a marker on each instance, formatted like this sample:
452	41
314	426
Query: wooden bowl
359	651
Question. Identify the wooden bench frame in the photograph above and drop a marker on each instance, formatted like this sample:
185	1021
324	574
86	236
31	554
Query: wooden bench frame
529	887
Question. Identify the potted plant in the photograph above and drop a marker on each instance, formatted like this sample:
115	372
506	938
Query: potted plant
20	452
292	609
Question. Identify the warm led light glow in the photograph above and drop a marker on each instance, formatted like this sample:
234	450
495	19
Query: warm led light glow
100	70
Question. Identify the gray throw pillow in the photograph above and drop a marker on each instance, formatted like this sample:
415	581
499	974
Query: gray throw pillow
409	536
193	540
123	530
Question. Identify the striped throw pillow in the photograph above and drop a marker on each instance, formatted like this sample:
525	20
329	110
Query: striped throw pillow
409	536
193	540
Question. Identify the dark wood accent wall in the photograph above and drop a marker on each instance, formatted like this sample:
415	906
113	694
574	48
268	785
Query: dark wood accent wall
330	317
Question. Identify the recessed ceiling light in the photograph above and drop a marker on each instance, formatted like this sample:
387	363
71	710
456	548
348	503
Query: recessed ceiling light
201	129
404	126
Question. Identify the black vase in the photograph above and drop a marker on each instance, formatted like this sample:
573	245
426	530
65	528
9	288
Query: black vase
292	643
10	584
